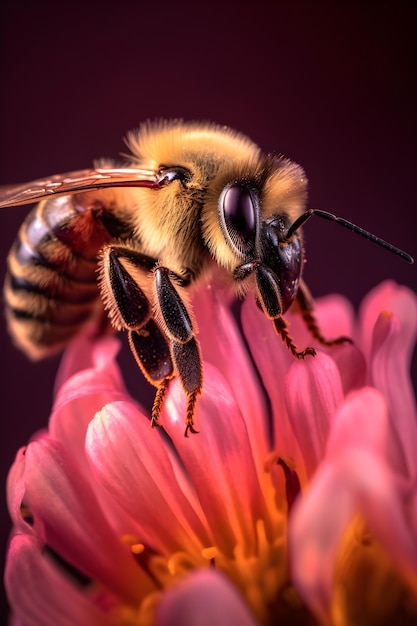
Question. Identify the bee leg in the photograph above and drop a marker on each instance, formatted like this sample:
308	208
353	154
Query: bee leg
270	300
127	305
129	309
158	402
305	307
188	364
184	346
152	353
281	328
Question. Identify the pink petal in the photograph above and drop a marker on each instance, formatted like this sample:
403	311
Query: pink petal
318	520
86	352
206	598
355	481
102	361
222	346
361	421
392	298
130	461
313	392
335	316
352	366
390	362
16	487
40	593
85	392
60	499
353	477
219	461
272	360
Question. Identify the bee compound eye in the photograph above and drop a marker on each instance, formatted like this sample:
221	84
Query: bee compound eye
238	216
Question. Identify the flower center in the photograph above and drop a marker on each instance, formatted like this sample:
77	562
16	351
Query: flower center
261	575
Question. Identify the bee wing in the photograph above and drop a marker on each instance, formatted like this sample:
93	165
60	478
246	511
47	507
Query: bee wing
74	182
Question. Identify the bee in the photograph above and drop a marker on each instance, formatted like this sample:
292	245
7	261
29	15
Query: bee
127	244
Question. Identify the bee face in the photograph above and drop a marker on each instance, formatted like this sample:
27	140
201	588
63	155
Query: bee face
241	200
194	163
204	165
193	199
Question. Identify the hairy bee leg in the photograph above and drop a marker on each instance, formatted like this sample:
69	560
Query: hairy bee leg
130	309
281	327
189	416
155	350
188	364
127	304
173	310
158	402
184	346
305	307
269	298
152	353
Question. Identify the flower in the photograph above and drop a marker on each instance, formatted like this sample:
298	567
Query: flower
296	503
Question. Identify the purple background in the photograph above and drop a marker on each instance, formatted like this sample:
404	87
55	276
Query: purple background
329	85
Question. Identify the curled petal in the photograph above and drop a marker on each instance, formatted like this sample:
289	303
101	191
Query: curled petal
86	352
354	477
391	298
30	578
204	598
57	495
313	392
219	461
391	353
361	427
16	486
357	480
102	363
82	393
130	461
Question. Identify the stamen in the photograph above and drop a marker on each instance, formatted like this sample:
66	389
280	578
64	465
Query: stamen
143	555
259	575
210	554
180	563
137	548
292	482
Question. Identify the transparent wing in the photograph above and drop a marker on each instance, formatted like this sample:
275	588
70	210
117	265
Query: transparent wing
73	182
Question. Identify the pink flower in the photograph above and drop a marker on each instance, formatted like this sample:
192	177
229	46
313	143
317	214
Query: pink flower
297	498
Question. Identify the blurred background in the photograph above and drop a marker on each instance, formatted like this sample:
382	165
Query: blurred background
330	85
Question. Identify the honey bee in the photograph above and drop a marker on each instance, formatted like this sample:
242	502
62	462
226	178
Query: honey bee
193	199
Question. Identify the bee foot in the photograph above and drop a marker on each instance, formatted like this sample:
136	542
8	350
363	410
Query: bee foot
190	428
307	352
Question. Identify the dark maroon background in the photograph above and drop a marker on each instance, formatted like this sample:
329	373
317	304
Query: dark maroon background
331	85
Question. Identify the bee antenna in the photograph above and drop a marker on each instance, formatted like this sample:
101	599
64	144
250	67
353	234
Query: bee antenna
352	227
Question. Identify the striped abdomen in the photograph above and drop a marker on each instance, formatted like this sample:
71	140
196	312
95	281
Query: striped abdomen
51	285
